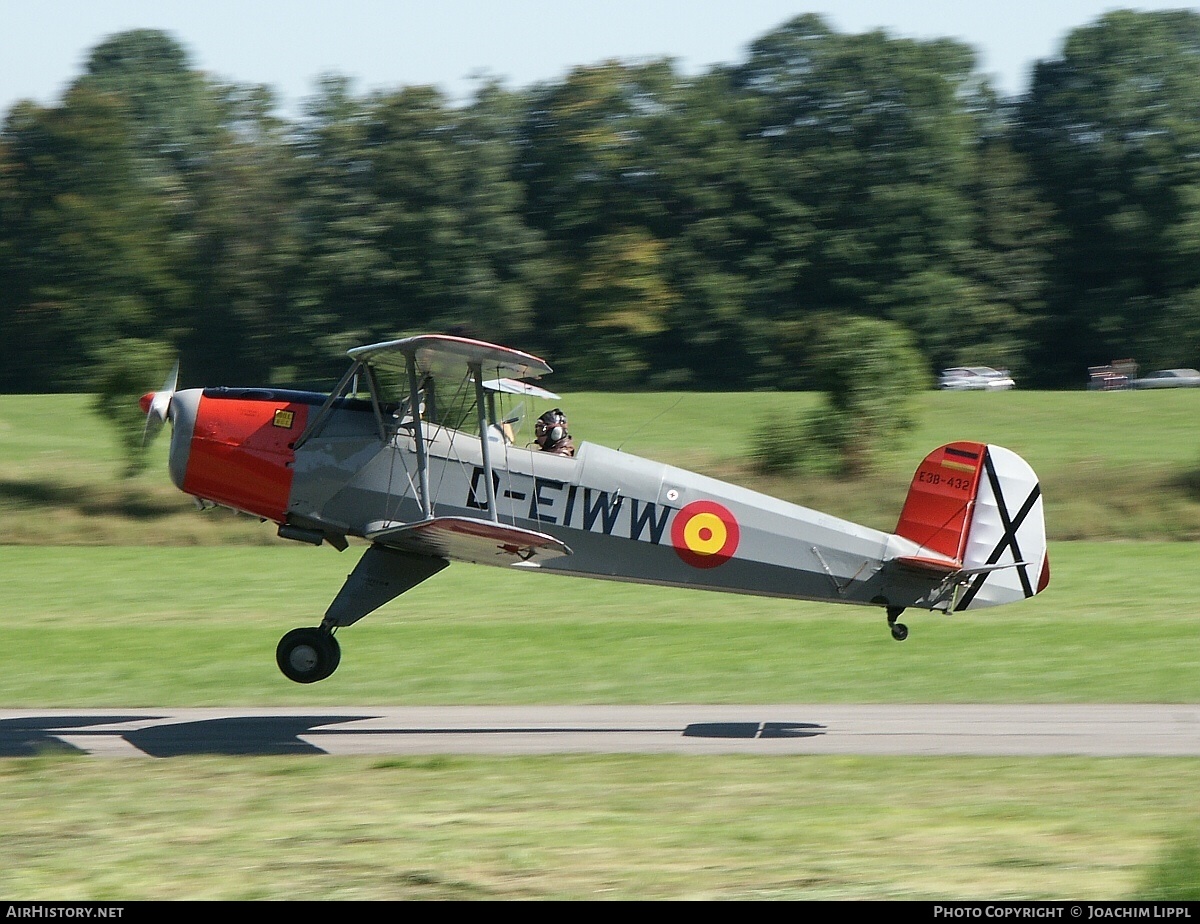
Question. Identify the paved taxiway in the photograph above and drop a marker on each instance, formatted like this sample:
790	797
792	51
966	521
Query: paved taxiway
980	730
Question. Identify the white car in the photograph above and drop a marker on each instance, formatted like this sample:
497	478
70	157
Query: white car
1170	378
975	378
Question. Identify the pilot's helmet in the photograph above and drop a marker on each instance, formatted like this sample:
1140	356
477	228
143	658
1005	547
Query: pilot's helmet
550	427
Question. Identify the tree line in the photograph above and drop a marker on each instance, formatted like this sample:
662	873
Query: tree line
769	223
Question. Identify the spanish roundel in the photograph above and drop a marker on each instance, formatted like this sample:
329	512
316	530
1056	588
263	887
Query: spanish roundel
705	534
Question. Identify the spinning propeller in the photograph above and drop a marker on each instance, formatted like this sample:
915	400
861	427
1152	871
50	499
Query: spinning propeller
157	405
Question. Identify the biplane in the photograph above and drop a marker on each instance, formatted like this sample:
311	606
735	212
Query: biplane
414	452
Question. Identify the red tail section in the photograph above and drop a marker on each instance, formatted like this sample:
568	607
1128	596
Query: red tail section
937	513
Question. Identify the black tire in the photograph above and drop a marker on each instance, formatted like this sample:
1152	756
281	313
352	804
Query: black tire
899	631
307	655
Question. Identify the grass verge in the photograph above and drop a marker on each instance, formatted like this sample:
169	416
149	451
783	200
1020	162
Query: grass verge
595	828
102	626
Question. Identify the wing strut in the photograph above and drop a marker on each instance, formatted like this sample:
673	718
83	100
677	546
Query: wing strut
480	399
419	433
318	420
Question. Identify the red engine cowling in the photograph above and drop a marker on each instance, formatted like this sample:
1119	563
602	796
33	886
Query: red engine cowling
233	447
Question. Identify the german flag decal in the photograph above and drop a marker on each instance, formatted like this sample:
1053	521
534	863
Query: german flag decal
705	534
961	459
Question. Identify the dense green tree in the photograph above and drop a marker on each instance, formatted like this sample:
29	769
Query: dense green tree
411	218
1112	130
120	372
877	139
82	241
242	253
150	204
869	372
215	163
593	176
738	237
636	226
173	113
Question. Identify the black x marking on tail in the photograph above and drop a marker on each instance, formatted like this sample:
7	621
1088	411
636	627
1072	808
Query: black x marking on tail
1008	540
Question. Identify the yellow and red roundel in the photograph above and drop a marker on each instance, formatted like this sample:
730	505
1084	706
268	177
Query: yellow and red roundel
705	534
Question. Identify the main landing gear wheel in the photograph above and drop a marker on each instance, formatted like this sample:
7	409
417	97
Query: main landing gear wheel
899	629
308	655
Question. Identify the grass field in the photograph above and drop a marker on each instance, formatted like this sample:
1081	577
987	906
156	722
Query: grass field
98	626
594	828
120	594
1113	465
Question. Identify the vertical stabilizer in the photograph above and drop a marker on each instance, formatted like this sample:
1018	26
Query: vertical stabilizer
974	513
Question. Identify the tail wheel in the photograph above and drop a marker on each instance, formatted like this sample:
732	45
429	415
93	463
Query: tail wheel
307	655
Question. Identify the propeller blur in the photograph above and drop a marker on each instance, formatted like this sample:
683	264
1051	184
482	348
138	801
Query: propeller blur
157	405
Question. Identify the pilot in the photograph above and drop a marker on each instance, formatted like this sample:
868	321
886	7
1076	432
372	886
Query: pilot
550	433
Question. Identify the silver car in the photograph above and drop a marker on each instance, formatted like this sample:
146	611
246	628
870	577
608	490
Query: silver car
1170	378
975	378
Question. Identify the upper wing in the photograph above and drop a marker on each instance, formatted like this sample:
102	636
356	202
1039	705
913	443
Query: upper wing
432	351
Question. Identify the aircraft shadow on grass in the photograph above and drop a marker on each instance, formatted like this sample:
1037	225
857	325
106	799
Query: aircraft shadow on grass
273	735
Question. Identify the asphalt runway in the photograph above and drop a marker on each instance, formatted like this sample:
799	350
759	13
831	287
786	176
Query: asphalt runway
936	730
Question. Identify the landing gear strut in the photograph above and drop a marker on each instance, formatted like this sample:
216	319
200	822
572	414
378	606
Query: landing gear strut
382	574
899	629
309	654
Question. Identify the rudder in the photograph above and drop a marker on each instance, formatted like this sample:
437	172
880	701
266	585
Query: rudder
937	511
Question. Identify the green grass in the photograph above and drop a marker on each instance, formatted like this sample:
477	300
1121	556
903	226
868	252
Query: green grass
1176	873
1113	465
120	594
98	626
592	828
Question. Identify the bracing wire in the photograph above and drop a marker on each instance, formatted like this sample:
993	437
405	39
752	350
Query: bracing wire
648	422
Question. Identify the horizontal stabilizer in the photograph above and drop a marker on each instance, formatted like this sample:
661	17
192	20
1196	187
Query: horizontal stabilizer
466	539
943	566
930	565
985	569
